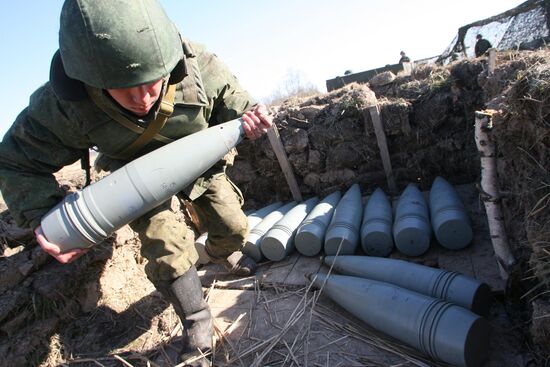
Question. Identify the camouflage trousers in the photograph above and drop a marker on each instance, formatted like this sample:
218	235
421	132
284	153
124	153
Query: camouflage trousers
169	245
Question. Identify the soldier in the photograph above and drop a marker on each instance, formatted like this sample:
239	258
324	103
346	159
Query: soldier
404	57
482	45
110	83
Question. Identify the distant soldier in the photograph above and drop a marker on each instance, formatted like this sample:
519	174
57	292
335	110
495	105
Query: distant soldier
482	45
404	57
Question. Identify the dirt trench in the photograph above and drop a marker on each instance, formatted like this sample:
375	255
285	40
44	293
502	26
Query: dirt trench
103	305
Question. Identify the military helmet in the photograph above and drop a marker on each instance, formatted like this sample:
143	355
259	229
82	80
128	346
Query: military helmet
118	43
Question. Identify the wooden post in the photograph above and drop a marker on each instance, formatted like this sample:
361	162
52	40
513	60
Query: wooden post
407	68
278	148
492	60
490	193
374	112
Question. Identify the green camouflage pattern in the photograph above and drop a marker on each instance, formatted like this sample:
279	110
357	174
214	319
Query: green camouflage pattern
166	243
51	133
169	245
220	210
117	44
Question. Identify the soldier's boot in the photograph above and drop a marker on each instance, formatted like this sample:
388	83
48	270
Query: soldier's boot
185	294
237	263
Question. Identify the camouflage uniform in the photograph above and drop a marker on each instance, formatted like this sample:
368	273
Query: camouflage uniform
53	132
481	46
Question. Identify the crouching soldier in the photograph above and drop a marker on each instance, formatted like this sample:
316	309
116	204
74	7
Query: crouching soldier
125	82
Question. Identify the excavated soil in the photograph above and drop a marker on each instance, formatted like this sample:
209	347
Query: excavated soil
102	309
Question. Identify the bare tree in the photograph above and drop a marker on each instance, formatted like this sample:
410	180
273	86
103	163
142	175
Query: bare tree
294	84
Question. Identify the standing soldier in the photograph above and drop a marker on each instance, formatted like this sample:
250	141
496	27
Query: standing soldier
404	57
482	45
120	70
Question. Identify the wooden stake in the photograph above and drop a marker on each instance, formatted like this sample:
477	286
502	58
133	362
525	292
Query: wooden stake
490	193
492	60
277	145
374	112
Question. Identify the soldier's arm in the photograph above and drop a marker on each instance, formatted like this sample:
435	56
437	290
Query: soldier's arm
230	99
42	140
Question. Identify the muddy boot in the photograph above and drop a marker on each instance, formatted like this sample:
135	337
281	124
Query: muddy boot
237	263
185	294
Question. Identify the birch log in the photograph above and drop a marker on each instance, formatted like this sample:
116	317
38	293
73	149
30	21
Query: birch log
490	193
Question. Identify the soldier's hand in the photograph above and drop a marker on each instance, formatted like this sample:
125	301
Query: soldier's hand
55	251
256	122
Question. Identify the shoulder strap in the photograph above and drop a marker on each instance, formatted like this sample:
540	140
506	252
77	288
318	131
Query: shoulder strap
85	165
145	135
165	111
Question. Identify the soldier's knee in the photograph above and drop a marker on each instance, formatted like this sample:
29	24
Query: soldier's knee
236	225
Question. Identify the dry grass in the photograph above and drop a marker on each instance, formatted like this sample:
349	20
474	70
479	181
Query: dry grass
293	342
530	95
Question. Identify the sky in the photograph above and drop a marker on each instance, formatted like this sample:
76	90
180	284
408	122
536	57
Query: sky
262	42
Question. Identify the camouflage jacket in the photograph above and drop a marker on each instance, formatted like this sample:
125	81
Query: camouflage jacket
52	133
